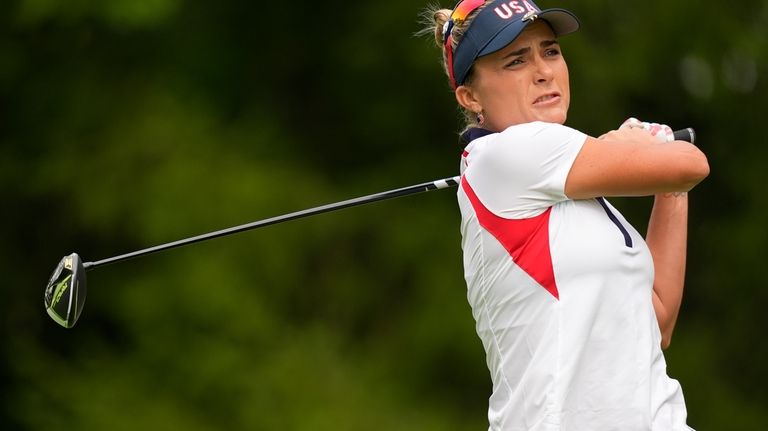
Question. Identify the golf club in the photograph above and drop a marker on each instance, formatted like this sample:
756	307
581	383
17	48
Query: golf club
65	293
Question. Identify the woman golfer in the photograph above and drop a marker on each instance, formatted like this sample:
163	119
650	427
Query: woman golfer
572	304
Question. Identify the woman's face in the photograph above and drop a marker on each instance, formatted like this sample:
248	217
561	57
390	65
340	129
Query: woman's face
525	81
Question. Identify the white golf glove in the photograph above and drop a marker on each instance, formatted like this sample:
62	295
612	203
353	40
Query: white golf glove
661	132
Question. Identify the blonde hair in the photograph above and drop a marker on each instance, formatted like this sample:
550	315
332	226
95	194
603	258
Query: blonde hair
434	19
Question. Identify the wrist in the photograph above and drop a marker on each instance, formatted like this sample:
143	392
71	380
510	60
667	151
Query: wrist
673	195
671	200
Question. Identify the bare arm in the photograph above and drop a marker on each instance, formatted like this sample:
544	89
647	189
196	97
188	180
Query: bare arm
631	162
666	238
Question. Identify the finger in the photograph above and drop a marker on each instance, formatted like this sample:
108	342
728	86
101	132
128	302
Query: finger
631	123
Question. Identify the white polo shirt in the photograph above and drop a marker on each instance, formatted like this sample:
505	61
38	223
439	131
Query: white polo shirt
561	291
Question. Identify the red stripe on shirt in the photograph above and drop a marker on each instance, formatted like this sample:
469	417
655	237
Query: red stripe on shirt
526	240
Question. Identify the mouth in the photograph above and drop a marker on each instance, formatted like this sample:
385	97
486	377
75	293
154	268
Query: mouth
547	99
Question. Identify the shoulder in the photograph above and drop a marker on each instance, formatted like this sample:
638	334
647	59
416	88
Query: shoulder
529	132
529	139
540	131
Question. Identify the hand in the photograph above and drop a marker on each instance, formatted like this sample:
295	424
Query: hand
637	135
661	132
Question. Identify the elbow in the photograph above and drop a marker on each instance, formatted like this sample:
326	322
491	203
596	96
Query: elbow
695	170
701	167
666	340
666	325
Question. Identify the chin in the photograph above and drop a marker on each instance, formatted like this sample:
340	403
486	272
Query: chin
555	117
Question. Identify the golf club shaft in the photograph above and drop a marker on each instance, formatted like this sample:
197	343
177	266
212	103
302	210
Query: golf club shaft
687	134
418	188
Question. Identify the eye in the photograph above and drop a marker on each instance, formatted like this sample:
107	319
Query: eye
515	62
552	52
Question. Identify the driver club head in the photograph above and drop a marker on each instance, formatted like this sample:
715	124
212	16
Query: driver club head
65	294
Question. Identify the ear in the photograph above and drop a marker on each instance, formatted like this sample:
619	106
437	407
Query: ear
467	98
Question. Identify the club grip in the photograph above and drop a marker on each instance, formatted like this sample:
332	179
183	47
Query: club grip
687	134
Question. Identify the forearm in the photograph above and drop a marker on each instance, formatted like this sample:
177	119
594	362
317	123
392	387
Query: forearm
667	239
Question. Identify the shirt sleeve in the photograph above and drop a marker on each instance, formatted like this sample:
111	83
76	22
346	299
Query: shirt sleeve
521	172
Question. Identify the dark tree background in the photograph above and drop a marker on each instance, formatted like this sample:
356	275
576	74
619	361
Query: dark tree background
129	123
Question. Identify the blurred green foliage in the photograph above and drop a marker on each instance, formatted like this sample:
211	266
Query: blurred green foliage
128	123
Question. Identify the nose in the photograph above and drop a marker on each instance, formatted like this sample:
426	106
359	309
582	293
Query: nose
543	71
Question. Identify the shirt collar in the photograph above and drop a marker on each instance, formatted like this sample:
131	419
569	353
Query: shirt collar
473	133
